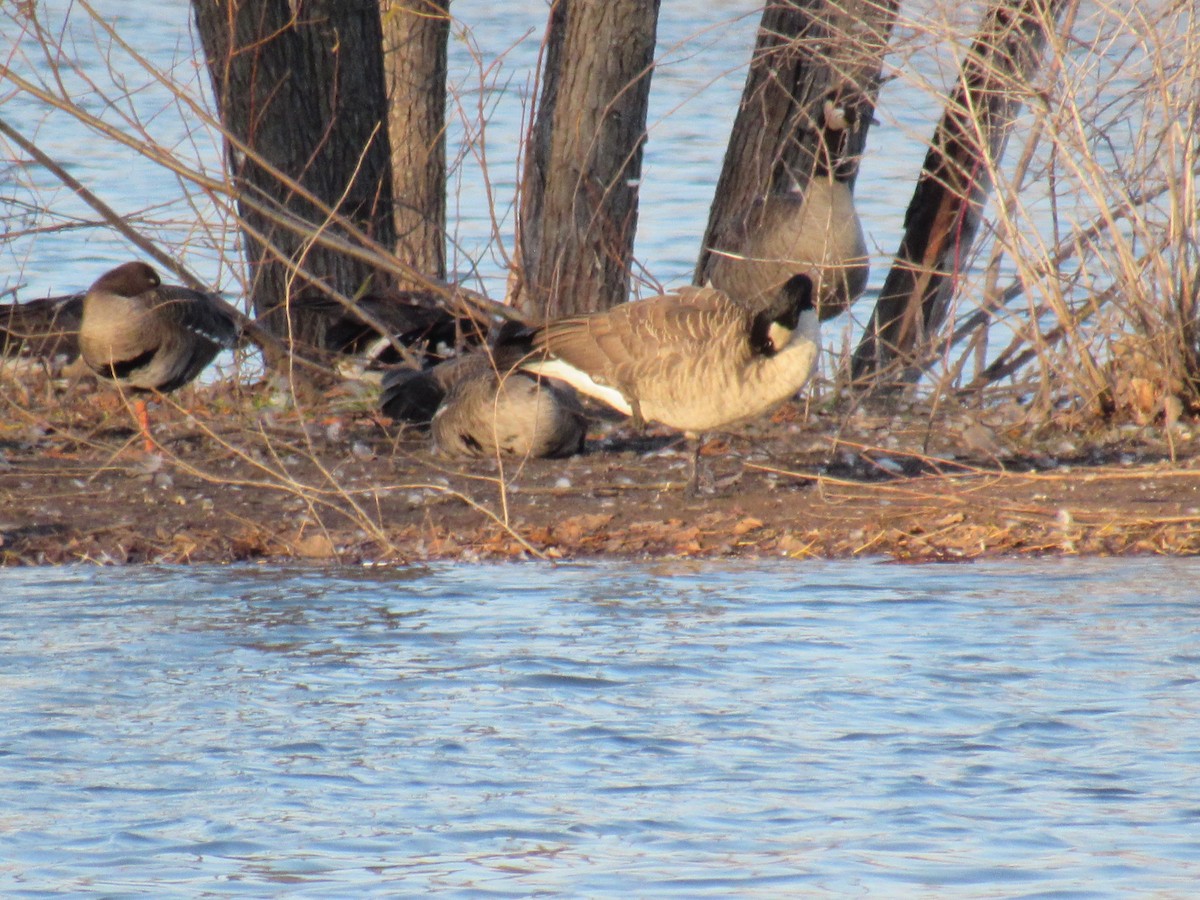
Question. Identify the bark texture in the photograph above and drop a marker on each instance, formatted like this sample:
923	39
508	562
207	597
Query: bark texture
300	89
808	54
579	199
415	35
944	214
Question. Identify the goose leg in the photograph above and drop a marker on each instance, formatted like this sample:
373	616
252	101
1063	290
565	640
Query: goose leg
143	417
639	424
700	481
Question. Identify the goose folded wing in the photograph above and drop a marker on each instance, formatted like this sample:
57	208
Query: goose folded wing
200	314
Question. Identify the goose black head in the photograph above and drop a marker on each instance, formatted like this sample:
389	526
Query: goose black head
772	327
128	280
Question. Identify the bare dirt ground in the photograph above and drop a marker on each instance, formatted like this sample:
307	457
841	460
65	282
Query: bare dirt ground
243	477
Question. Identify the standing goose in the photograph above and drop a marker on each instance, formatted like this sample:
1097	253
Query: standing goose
149	336
816	231
474	412
693	360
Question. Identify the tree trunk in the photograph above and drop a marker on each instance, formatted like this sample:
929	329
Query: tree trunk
804	115
946	207
578	209
300	89
415	36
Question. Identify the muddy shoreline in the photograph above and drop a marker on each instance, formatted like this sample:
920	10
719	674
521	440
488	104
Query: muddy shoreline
333	482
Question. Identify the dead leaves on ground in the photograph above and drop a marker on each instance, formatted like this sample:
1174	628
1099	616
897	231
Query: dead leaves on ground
293	488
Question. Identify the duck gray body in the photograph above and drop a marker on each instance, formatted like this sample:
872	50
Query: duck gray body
472	411
693	360
147	335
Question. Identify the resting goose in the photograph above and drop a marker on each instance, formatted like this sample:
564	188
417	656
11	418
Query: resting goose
474	412
149	336
693	360
417	320
44	329
816	231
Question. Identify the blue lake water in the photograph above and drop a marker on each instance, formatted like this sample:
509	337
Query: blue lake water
1004	729
703	51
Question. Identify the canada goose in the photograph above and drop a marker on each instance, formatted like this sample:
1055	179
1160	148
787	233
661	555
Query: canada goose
149	336
417	320
693	360
43	329
816	231
474	412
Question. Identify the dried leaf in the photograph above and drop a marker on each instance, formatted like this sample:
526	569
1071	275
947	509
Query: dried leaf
314	546
572	530
748	524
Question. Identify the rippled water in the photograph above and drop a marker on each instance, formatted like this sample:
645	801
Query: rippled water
1001	729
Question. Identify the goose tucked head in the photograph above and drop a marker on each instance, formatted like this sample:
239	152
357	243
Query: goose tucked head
837	122
128	280
772	328
837	115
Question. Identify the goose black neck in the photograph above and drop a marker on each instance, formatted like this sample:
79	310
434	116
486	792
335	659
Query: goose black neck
794	299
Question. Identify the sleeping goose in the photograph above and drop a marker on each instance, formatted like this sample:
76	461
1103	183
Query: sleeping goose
816	231
45	329
693	360
473	412
149	336
418	320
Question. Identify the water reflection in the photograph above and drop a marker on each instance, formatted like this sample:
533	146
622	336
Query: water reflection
602	729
